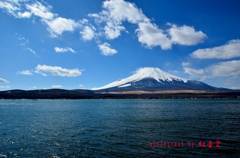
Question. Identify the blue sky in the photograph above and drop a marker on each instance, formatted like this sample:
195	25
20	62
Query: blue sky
89	43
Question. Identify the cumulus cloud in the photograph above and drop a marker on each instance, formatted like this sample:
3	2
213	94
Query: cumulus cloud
25	72
88	33
59	25
110	24
106	49
150	35
120	10
221	69
24	14
227	51
62	50
41	11
57	86
115	12
113	30
225	69
194	73
186	35
3	80
56	24
57	71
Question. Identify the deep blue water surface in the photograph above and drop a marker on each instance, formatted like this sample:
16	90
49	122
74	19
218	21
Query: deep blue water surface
118	128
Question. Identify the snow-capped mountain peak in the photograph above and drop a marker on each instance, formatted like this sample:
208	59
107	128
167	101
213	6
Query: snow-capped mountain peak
144	73
156	73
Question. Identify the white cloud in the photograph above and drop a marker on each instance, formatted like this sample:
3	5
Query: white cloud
7	5
81	85
34	87
150	35
16	2
235	88
10	8
56	24
4	87
194	73
106	49
57	71
88	33
62	50
23	40
225	69
119	10
57	86
24	14
112	30
3	80
222	69
41	11
185	64
186	35
15	8
227	51
32	51
59	25
25	72
115	12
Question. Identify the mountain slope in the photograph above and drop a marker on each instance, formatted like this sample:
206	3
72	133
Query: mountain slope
152	79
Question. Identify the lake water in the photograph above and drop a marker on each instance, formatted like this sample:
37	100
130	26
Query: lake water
120	128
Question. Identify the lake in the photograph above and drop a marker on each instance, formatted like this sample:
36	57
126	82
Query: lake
120	128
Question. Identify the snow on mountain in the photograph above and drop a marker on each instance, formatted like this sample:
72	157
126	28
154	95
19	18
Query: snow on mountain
144	73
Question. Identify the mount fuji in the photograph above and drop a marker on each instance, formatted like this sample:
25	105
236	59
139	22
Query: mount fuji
145	83
153	79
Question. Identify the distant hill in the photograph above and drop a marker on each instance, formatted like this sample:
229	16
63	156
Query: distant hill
88	94
45	94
